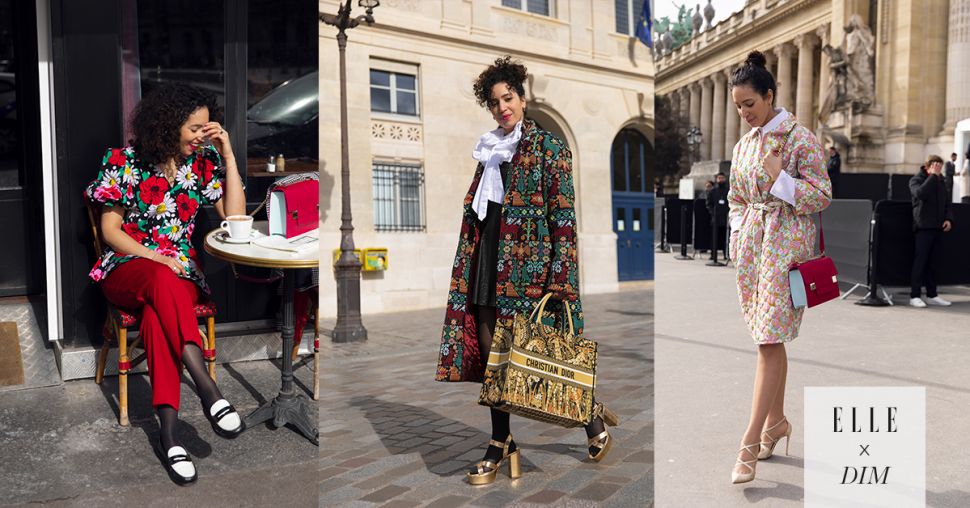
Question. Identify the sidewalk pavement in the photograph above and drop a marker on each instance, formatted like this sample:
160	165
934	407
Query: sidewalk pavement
705	374
391	436
63	446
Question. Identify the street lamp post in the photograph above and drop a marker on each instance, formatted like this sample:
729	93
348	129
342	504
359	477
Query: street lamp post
349	327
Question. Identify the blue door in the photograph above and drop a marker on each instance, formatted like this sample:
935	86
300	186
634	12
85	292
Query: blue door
632	200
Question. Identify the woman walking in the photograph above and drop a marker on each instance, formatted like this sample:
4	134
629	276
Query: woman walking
150	193
517	243
778	179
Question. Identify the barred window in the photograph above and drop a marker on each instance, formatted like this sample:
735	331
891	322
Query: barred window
398	197
541	7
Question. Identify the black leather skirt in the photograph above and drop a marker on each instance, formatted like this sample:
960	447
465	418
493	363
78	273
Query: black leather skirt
482	291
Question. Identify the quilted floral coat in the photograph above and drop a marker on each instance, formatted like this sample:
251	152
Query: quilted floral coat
774	233
536	251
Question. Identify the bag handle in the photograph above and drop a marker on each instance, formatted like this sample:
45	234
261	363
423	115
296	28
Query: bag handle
537	312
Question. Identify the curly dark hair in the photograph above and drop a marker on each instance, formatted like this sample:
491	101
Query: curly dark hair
503	70
159	116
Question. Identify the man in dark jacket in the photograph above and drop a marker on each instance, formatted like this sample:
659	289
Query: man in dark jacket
834	167
716	202
931	218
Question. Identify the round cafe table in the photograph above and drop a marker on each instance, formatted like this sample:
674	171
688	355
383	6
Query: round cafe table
288	406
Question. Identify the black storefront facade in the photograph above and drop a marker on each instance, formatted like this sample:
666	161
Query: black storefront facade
79	68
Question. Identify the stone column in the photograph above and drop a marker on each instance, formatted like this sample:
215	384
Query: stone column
718	128
695	105
823	34
683	120
730	118
783	79
707	108
805	89
957	66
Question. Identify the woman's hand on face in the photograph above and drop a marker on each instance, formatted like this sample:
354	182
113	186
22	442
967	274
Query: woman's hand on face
772	164
219	137
172	263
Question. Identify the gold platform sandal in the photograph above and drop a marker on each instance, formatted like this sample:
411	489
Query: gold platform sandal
737	477
487	470
602	441
768	446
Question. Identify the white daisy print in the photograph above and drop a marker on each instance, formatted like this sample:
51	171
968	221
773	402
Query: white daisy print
186	177
213	191
163	209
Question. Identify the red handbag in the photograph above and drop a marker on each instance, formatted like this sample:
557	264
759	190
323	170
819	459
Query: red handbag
294	205
815	281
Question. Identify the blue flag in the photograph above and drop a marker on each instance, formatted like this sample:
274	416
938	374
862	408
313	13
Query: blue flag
645	25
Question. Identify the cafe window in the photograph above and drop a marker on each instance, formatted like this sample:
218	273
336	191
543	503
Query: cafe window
393	92
541	7
398	197
11	174
243	52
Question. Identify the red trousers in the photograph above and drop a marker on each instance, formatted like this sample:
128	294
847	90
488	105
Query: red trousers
168	322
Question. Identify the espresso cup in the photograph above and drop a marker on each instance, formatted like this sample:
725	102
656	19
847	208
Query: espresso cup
238	226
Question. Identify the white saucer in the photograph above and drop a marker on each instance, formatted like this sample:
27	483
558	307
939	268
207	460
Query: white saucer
225	238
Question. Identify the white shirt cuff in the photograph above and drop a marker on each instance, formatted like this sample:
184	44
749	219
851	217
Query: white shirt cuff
735	223
784	188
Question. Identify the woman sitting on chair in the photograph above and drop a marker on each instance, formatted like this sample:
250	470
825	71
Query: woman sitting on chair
151	191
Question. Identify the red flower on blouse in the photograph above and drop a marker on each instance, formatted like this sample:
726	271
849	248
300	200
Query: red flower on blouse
164	244
153	190
186	207
205	172
117	158
134	231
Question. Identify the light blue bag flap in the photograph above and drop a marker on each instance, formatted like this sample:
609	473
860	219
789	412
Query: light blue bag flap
798	298
277	213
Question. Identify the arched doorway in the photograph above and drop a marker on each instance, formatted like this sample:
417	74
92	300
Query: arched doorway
632	197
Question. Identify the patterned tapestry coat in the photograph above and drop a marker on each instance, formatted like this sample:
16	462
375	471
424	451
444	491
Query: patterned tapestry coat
773	233
536	251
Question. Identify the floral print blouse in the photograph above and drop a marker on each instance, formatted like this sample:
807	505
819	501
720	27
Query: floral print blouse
158	215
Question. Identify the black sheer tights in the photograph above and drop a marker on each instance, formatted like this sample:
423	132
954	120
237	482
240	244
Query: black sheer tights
500	419
209	393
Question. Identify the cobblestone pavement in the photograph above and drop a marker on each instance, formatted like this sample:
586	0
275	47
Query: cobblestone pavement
63	446
705	372
392	436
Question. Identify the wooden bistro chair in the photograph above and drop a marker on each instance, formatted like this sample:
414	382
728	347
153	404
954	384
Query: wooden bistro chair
118	321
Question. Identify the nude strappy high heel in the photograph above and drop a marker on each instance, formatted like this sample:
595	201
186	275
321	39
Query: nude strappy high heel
768	446
737	477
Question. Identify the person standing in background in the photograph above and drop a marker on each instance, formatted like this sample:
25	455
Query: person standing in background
931	218
949	171
834	167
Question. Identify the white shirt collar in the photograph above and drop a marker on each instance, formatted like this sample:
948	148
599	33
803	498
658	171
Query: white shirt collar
781	114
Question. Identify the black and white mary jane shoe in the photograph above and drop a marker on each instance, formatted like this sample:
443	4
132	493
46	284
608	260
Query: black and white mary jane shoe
177	463
225	420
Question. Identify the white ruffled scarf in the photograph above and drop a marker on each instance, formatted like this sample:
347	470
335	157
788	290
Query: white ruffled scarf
494	148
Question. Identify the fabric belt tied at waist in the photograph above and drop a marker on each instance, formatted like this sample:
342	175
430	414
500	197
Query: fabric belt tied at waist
766	206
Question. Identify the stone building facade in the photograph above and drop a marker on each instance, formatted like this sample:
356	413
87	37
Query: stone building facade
919	68
413	121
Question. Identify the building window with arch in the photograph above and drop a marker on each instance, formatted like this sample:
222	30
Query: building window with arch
540	7
398	197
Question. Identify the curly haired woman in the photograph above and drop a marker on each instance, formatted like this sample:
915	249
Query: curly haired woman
517	243
150	192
